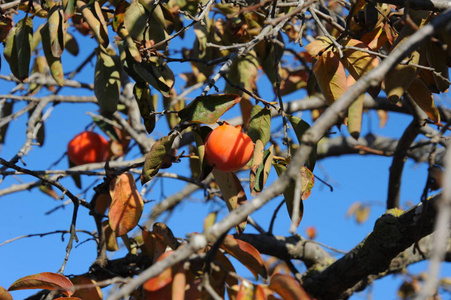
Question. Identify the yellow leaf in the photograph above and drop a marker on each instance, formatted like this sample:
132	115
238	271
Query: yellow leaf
331	76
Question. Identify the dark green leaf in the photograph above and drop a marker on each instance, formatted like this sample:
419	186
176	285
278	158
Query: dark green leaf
6	109
154	159
71	44
260	124
199	136
300	127
145	103
10	51
24	36
150	73
107	82
208	109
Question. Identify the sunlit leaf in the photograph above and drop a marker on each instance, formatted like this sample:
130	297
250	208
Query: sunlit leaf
44	280
107	82
5	295
126	204
318	46
102	202
119	14
292	81
260	124
423	97
208	109
56	67
250	291
162	279
145	104
95	21
362	213
330	75
10	51
210	220
355	112
154	246
155	158
48	190
110	237
57	30
164	233
287	287
85	288
358	62
246	254
232	192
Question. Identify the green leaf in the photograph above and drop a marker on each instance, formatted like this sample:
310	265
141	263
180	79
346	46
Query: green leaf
199	136
56	67
107	82
300	127
10	51
260	124
145	104
23	37
71	44
150	72
6	109
208	109
232	192
57	30
260	170
154	159
95	22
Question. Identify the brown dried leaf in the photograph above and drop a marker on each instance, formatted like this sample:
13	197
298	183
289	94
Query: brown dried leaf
126	204
86	288
423	97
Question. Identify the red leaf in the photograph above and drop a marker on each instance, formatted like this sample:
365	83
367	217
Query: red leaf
246	254
44	280
287	287
163	279
126	206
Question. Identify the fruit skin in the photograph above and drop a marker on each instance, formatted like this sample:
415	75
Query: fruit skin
87	147
228	149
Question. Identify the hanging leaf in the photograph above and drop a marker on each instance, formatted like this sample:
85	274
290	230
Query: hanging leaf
10	51
95	22
358	63
156	22
155	158
71	44
57	30
126	204
260	124
331	76
208	109
287	287
319	46
101	202
107	82
6	109
110	237
154	247
292	81
23	37
232	192
246	254
162	279
437	58
135	21
56	67
300	127
145	104
199	135
44	280
260	170
423	97
6	23
355	112
154	75
85	288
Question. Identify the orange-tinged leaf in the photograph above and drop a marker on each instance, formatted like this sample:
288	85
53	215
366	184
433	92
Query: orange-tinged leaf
162	279
44	280
179	283
287	287
423	97
308	180
358	62
246	254
250	291
154	246
126	204
86	288
5	295
232	192
317	47
331	76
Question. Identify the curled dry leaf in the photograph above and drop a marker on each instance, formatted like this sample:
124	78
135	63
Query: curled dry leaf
44	280
126	204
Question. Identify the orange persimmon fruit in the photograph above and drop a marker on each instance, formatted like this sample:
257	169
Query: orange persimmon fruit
227	148
87	147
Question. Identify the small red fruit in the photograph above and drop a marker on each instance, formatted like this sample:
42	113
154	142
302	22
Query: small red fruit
228	149
87	147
